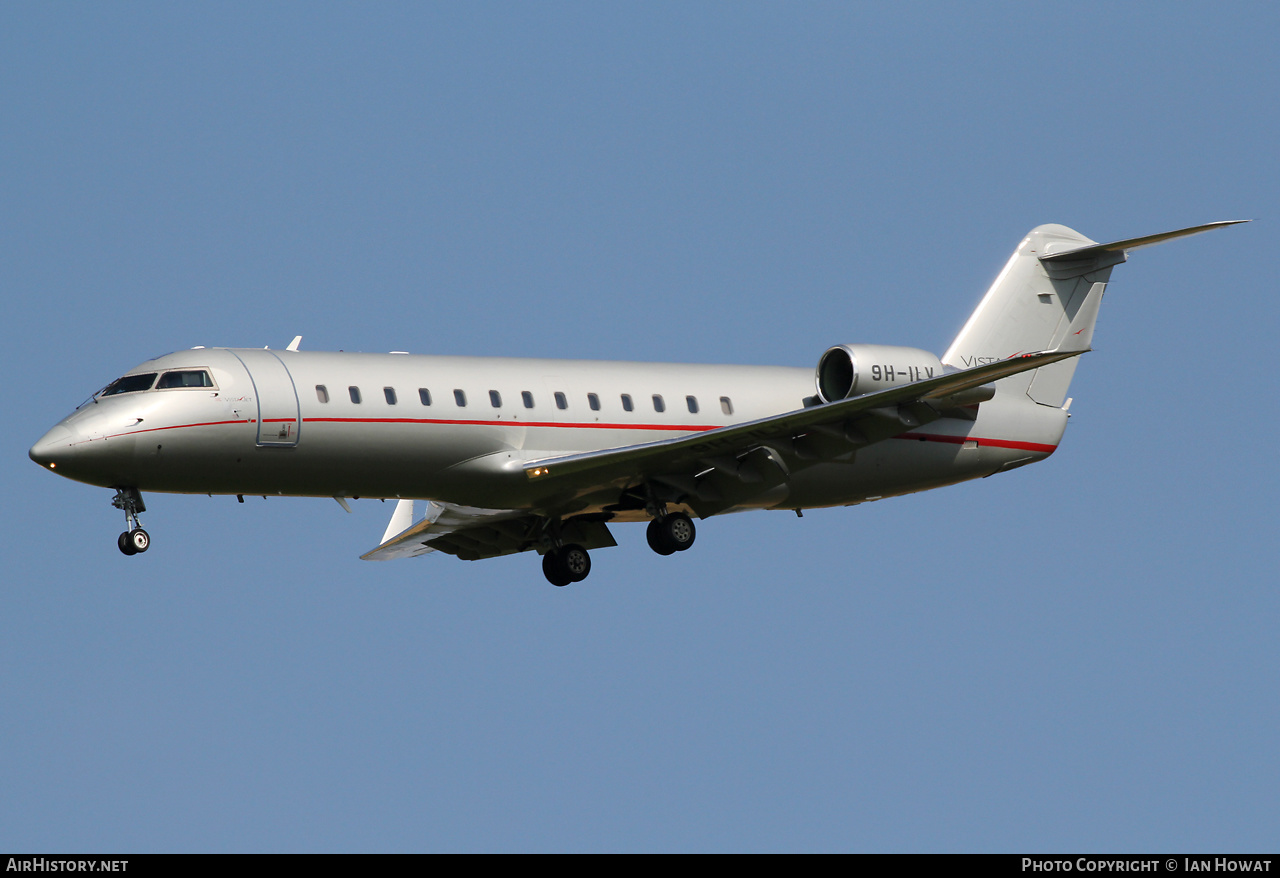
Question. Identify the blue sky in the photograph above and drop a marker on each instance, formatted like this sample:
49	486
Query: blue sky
1079	655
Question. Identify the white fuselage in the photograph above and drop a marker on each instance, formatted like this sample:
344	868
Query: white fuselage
359	425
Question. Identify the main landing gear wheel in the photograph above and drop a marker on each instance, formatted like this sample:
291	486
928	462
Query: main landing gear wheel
567	564
551	569
653	533
133	542
671	533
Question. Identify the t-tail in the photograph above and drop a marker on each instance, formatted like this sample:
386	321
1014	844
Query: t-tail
1046	299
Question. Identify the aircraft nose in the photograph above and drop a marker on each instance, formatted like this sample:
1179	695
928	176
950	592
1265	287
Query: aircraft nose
54	447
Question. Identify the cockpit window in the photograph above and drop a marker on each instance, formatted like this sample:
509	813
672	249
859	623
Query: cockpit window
185	378
130	384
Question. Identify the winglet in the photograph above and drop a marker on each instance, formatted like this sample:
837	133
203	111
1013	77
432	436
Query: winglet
401	519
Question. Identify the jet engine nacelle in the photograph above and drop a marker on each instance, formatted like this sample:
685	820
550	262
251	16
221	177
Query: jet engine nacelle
854	369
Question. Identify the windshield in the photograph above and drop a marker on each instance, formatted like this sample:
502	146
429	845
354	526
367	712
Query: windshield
185	378
130	384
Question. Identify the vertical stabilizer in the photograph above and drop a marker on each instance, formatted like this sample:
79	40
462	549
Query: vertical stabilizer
1032	306
1047	298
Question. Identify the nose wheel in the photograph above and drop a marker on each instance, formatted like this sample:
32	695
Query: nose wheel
134	540
131	542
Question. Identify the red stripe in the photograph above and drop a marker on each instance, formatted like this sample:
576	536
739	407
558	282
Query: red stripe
683	428
990	443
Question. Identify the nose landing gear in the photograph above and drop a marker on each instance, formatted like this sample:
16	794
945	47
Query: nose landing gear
134	540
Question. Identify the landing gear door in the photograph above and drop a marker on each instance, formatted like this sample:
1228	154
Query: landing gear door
278	421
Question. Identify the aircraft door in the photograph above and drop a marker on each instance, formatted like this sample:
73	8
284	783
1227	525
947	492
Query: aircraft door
279	423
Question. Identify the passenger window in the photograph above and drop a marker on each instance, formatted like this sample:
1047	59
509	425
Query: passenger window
692	402
185	378
594	401
658	404
627	405
726	405
495	399
460	397
130	384
561	401
355	394
322	393
424	396
528	398
390	394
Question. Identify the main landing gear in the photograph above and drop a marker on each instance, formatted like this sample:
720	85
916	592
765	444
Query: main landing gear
566	564
134	540
670	533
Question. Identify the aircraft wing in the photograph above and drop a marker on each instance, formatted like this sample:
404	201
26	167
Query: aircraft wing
750	452
709	471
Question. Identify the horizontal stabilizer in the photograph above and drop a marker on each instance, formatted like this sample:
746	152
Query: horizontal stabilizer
1094	251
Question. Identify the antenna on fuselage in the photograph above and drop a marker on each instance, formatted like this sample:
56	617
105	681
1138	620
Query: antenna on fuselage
293	345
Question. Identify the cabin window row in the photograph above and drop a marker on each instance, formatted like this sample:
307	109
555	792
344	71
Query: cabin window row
526	399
